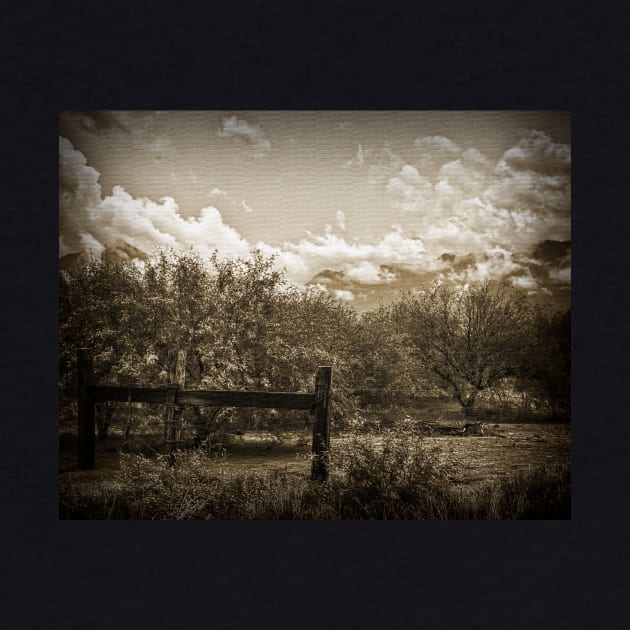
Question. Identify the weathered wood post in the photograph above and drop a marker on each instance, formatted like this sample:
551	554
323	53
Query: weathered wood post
321	426
174	412
172	418
85	374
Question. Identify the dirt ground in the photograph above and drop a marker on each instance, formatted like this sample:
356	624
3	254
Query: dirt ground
504	449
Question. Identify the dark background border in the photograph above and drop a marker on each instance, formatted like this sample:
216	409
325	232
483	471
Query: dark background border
400	55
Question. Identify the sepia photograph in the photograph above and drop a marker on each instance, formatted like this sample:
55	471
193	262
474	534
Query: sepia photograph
315	315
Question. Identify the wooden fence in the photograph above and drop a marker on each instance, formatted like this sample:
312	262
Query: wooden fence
175	398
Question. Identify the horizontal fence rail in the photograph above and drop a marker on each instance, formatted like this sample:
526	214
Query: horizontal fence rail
202	397
175	398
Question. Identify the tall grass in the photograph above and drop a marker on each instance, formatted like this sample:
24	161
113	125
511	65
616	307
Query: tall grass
372	477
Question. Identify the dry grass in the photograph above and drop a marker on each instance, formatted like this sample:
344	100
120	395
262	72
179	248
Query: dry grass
422	469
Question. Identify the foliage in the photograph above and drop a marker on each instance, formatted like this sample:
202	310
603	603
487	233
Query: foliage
98	309
551	365
236	324
468	339
543	493
386	369
213	324
399	479
385	475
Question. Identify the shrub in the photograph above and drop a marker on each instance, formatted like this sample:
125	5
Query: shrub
537	494
384	476
373	477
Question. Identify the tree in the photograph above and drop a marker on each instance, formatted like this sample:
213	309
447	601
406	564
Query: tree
550	366
470	338
384	366
215	324
99	308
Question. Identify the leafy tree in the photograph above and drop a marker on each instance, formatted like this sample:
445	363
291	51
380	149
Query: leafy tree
177	306
550	366
231	352
385	366
325	329
469	339
99	309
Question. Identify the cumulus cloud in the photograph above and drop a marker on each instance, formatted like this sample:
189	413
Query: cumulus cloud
460	201
341	219
92	223
437	144
430	152
250	134
518	190
329	250
79	190
382	164
524	282
539	154
99	122
342	294
358	259
379	164
560	276
465	217
366	272
410	190
497	263
468	173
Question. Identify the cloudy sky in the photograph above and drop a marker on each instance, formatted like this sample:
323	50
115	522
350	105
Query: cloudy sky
361	204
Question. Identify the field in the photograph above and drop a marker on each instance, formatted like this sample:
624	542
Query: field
247	350
469	464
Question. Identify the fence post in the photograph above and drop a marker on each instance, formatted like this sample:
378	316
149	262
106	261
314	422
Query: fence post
173	413
85	377
321	426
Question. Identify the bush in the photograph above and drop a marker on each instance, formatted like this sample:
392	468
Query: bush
372	477
384	476
538	494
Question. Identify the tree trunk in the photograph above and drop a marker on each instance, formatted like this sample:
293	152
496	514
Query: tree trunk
203	421
469	404
128	424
